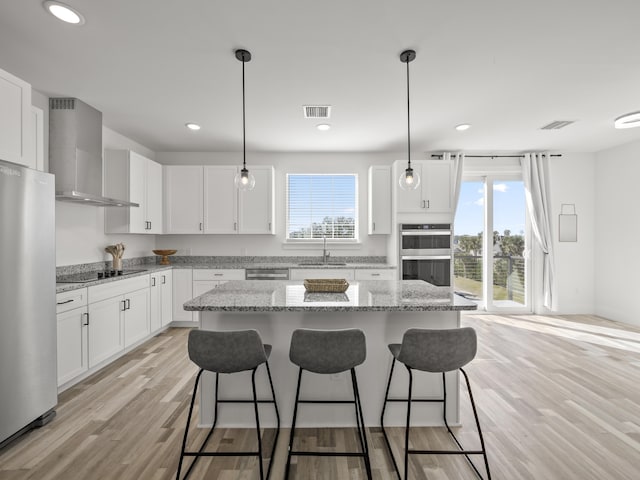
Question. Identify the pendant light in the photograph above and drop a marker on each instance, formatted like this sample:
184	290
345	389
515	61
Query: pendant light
244	180
409	180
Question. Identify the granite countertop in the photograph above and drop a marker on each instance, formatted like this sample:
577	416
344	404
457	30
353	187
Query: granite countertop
148	268
145	269
290	296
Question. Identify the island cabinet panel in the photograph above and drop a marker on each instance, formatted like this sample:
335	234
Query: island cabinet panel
434	192
183	199
16	127
383	310
380	201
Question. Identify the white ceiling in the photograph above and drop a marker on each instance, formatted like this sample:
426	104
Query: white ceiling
508	67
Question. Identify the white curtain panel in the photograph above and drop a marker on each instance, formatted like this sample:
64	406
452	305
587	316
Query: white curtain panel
458	162
534	173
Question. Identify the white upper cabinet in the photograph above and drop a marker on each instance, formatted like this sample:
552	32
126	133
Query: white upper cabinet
16	125
220	200
434	193
183	199
255	207
379	199
134	178
204	199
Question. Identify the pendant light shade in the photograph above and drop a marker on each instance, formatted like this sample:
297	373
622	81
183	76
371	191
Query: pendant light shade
244	180
409	179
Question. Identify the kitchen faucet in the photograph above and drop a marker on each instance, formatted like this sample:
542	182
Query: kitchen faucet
325	254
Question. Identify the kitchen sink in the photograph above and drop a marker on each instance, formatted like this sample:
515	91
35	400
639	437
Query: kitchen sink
320	264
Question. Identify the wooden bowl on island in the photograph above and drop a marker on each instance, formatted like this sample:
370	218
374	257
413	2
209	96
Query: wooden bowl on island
165	255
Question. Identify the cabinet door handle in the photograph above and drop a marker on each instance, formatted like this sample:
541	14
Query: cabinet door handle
235	225
218	274
269	226
200	226
86	317
124	305
374	226
66	301
424	204
375	274
164	279
428	205
128	304
153	281
149	225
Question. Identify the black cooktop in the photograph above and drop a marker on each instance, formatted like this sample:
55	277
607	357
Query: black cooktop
85	277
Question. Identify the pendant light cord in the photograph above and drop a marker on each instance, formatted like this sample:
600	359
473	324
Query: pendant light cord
408	121
244	148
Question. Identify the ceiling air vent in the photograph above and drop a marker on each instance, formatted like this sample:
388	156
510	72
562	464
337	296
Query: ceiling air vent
557	124
317	111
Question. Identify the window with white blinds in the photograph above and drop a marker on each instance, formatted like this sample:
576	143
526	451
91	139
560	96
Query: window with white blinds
322	205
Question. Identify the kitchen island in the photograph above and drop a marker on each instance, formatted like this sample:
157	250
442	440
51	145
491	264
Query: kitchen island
384	310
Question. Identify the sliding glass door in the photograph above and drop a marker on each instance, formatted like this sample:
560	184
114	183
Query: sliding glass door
491	243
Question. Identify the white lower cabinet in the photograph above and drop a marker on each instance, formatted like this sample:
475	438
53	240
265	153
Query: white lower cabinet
321	273
136	317
105	331
375	274
161	300
72	320
182	292
118	317
205	279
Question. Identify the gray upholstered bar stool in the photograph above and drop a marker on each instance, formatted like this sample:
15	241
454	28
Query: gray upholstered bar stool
229	352
436	351
329	352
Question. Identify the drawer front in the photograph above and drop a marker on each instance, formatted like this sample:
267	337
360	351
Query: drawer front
66	301
218	274
376	274
119	287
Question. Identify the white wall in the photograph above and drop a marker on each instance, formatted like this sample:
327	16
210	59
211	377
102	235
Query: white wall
284	163
80	236
618	230
572	181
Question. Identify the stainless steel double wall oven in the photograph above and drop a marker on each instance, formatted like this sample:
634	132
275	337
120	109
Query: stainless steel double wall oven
425	253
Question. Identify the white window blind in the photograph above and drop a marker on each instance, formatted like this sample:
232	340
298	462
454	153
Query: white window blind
322	205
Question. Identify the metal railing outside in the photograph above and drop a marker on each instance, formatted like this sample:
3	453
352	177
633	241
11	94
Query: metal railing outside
508	276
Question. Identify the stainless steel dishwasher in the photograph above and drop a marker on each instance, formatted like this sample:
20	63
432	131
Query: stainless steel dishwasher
267	274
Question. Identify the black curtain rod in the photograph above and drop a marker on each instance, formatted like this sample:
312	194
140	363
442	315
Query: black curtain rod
439	155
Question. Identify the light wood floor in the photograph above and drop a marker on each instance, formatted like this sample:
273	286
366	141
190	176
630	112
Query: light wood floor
558	397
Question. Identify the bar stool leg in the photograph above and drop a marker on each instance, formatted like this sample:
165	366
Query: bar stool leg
255	407
384	407
406	433
275	405
293	425
186	431
362	433
475	414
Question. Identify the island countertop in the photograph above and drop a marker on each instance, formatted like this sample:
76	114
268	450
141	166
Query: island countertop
290	296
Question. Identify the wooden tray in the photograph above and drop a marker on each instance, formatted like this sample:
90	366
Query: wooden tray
326	285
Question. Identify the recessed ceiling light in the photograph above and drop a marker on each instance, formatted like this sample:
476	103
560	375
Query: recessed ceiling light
64	12
462	127
323	127
192	126
629	120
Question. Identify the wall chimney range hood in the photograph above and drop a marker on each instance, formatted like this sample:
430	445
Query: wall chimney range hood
75	153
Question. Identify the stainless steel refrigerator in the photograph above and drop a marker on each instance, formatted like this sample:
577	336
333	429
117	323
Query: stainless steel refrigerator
28	386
